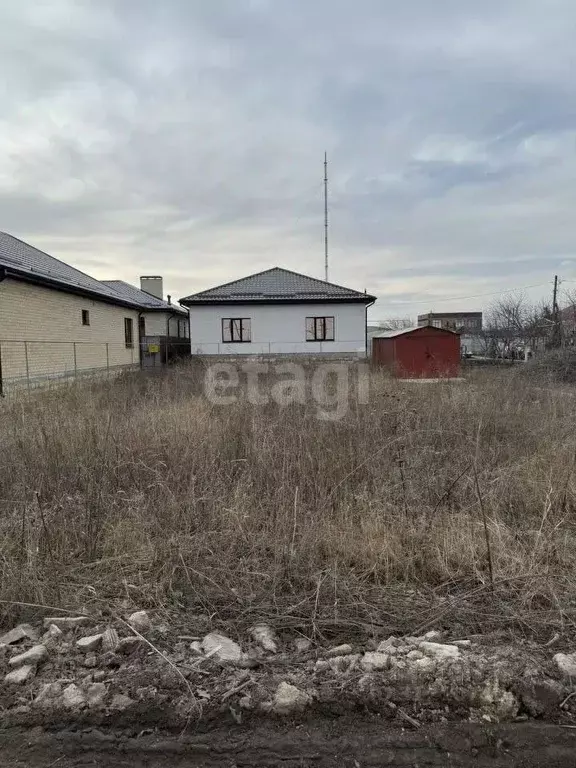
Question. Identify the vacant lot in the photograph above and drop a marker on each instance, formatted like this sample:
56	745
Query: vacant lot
443	504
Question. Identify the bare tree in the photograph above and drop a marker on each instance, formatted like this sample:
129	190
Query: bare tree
396	323
513	324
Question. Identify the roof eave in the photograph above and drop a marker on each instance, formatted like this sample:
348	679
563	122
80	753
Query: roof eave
26	277
362	298
169	309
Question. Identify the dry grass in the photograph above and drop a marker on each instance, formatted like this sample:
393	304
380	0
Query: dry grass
140	490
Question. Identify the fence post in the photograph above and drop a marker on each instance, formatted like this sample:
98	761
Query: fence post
107	361
27	365
75	365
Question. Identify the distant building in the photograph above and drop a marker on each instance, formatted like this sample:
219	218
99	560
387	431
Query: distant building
467	324
461	322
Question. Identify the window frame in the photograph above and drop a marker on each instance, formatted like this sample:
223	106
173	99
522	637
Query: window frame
244	329
321	331
129	332
85	317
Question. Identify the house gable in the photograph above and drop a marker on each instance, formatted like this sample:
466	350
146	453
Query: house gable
277	285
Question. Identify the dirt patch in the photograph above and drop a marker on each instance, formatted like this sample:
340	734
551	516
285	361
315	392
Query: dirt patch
341	743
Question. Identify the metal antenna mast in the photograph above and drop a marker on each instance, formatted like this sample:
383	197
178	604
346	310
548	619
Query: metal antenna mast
326	216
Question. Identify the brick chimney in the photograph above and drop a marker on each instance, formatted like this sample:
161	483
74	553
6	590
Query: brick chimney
152	284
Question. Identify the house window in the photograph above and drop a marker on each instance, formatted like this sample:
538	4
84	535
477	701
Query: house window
129	332
236	329
319	329
437	323
85	317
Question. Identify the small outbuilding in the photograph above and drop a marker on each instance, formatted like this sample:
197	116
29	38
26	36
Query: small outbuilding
420	352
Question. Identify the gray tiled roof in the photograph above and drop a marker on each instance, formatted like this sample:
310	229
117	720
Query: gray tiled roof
142	298
277	284
25	260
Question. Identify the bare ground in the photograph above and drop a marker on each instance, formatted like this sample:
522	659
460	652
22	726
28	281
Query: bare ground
341	743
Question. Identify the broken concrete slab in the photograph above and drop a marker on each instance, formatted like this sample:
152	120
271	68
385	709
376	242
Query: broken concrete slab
52	633
339	650
440	650
566	663
140	620
289	699
110	639
126	645
222	648
373	660
35	656
20	675
72	697
17	634
90	643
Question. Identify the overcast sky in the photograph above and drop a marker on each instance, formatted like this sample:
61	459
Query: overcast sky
186	138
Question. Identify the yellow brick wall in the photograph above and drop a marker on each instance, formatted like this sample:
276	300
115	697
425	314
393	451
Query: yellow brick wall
50	322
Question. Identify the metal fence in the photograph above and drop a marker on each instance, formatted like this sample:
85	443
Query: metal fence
27	365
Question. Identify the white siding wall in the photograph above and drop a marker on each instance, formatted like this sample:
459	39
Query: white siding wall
279	328
155	323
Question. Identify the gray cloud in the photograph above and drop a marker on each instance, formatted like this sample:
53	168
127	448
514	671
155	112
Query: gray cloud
187	137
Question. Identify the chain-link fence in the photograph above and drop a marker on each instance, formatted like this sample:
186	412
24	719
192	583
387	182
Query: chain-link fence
27	365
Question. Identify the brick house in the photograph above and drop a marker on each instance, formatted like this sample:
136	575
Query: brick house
163	326
56	321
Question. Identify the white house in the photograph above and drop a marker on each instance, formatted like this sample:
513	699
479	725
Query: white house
278	312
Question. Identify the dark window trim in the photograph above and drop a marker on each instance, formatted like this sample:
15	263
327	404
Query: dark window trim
320	328
243	331
129	332
85	317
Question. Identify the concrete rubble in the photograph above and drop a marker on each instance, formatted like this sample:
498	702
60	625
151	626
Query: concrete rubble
90	643
222	648
264	635
566	663
72	697
20	632
35	655
140	620
288	699
98	670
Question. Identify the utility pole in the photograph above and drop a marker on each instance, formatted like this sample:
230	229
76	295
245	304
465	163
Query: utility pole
326	216
556	340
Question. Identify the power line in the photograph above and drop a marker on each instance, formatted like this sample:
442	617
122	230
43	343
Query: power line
475	296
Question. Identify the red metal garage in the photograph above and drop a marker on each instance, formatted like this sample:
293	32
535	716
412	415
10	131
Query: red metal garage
422	352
